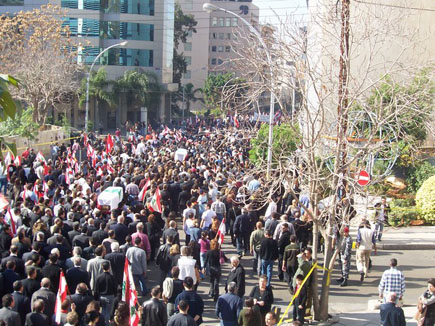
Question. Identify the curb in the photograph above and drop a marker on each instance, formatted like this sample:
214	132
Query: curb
415	246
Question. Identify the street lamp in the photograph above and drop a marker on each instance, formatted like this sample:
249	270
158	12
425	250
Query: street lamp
208	7
89	77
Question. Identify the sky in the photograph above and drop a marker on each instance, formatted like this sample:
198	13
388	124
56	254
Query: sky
282	8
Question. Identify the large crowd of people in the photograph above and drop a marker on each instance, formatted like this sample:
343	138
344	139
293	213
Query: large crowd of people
55	225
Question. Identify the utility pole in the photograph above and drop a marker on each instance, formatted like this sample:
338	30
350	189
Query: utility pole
183	106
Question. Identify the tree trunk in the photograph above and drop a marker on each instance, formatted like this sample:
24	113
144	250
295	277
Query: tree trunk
324	295
316	304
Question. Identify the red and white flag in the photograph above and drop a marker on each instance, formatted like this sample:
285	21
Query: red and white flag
155	204
221	232
8	159
109	144
40	158
236	121
129	294
10	220
17	161
85	139
61	297
144	190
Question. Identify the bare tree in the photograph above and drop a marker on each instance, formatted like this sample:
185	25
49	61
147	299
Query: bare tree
38	50
336	63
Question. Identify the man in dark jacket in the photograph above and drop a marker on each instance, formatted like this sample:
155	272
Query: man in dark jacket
242	229
9	277
37	317
300	301
22	304
194	299
268	255
390	314
237	275
229	305
121	230
154	311
76	275
31	284
117	260
19	263
81	299
283	241
290	261
52	272
182	318
105	290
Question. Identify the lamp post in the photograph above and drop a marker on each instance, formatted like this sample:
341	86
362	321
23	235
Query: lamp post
89	77
209	8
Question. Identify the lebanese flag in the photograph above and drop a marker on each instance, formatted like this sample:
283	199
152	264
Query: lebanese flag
236	121
17	161
40	158
109	144
221	232
61	297
144	190
129	294
24	194
8	159
155	204
10	220
85	139
90	151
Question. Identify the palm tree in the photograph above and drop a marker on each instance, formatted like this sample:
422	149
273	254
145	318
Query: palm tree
98	89
189	96
141	87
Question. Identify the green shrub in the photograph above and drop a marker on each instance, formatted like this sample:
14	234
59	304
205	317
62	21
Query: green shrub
425	199
418	174
405	214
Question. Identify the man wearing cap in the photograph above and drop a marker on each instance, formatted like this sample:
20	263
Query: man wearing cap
344	254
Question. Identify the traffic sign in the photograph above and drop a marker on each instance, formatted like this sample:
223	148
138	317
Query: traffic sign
363	178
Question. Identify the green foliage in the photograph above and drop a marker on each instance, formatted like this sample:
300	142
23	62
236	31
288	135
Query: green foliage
183	24
8	107
425	199
23	125
403	212
214	87
98	88
285	141
142	87
417	174
189	96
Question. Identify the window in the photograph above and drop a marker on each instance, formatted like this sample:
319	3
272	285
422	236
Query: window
214	36
233	21
221	36
213	48
214	21
213	61
227	21
118	57
220	61
228	36
188	46
187	74
188	60
227	48
221	21
220	48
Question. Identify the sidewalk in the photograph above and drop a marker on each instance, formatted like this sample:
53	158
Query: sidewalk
405	238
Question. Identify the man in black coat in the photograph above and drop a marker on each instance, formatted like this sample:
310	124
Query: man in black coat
117	260
154	311
9	277
52	272
268	254
390	314
47	296
300	301
5	240
105	290
7	314
237	275
81	299
37	317
82	240
75	232
284	241
22	303
19	263
121	230
242	229
31	284
76	275
100	234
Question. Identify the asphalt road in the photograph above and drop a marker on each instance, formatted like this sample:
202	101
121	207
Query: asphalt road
418	266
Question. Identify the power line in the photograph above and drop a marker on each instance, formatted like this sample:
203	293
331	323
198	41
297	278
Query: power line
395	6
